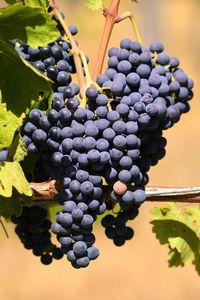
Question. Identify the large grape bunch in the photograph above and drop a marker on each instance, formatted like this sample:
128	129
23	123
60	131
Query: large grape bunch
115	139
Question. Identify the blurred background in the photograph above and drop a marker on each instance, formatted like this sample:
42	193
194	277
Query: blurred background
138	270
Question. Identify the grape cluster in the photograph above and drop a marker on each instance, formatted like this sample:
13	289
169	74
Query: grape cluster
148	81
66	143
73	227
150	93
54	60
33	229
114	139
80	147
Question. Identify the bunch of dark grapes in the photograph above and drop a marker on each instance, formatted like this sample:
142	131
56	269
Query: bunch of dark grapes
151	91
33	230
149	81
54	60
116	138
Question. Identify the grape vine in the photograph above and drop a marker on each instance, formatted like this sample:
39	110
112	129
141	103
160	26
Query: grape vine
87	146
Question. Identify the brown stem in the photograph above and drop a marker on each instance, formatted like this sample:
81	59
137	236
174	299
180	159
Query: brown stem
110	14
75	50
46	192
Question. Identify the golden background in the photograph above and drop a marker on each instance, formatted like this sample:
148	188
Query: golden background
138	270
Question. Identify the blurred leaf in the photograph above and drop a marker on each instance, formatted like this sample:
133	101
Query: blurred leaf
37	3
94	4
20	83
11	1
33	26
177	229
180	245
174	258
192	216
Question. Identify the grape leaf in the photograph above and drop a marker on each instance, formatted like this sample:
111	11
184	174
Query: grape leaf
13	205
192	215
179	244
33	26
18	150
8	124
20	83
52	211
174	258
44	103
94	4
11	1
28	166
37	3
12	176
174	228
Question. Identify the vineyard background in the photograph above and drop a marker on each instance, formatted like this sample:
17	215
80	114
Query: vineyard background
139	269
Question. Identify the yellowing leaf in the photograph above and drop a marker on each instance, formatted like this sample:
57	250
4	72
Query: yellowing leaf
94	4
12	176
8	124
178	228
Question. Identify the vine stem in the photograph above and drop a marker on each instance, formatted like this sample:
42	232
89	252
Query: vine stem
110	14
129	15
75	50
46	192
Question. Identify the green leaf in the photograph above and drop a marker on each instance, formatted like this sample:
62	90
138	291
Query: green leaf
33	26
192	216
177	229
11	1
94	4
37	3
186	252
20	83
44	103
52	211
13	205
17	150
12	176
8	124
174	259
28	166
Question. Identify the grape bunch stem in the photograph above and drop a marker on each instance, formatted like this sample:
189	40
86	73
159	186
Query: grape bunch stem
75	51
129	15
